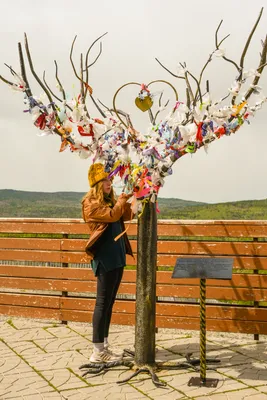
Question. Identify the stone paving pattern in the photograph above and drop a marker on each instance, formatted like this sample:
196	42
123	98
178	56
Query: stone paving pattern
39	360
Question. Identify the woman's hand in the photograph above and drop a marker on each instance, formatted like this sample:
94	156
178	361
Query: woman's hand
125	196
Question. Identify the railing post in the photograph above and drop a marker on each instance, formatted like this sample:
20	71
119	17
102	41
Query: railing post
65	265
256	303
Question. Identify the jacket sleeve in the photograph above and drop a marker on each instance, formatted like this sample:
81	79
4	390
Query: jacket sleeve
128	214
95	212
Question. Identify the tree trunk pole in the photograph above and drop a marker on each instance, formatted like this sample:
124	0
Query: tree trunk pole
145	315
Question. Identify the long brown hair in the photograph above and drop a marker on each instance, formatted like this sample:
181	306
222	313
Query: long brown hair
97	193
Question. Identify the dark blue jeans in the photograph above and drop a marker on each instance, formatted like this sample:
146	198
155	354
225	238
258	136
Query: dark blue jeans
107	287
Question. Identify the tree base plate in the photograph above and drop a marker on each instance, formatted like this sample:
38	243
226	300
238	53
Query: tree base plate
208	382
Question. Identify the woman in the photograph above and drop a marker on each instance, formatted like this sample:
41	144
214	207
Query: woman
104	216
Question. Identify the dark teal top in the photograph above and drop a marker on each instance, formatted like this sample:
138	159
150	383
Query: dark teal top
108	253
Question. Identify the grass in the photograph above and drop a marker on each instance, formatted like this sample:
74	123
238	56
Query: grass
15	203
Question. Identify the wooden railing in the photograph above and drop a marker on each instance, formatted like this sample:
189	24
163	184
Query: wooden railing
44	273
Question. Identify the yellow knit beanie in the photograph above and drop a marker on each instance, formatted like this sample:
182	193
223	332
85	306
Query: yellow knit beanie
96	173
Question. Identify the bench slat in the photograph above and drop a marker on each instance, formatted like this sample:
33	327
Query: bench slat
224	228
30	312
164	260
34	300
163	277
163	247
213	292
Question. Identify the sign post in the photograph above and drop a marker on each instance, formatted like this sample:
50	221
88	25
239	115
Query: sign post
203	268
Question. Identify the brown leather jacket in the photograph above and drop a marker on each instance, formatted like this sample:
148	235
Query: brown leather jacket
98	216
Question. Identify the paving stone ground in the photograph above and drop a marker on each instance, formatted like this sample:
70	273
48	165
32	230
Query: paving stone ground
39	360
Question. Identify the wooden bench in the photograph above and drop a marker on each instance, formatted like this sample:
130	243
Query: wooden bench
53	286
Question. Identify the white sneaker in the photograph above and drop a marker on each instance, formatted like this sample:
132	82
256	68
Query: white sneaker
116	353
104	356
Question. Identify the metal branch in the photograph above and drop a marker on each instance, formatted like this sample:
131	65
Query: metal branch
160	97
216	34
55	130
218	44
97	57
81	82
87	57
187	97
106	107
188	106
97	106
23	70
126	115
6	81
190	91
73	66
191	95
198	98
262	66
242	59
231	62
198	89
260	69
53	94
121	112
157	113
205	66
176	76
11	69
151	117
76	74
48	88
59	83
210	57
34	73
71	60
82	87
224	98
223	39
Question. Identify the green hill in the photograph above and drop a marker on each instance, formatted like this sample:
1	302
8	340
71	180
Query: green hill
16	203
249	209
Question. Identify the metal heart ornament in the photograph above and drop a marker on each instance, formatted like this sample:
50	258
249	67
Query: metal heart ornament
144	104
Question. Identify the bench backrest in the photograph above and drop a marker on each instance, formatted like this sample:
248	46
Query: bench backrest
44	273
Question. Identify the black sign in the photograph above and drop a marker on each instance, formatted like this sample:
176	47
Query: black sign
204	267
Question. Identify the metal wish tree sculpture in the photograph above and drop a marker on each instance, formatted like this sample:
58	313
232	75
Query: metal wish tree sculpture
142	160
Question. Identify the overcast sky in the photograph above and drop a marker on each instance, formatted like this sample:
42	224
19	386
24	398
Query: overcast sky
138	31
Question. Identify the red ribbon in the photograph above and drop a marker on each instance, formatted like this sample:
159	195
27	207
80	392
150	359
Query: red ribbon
199	137
41	122
82	132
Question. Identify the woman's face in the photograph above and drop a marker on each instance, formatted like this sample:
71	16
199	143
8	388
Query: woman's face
107	186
